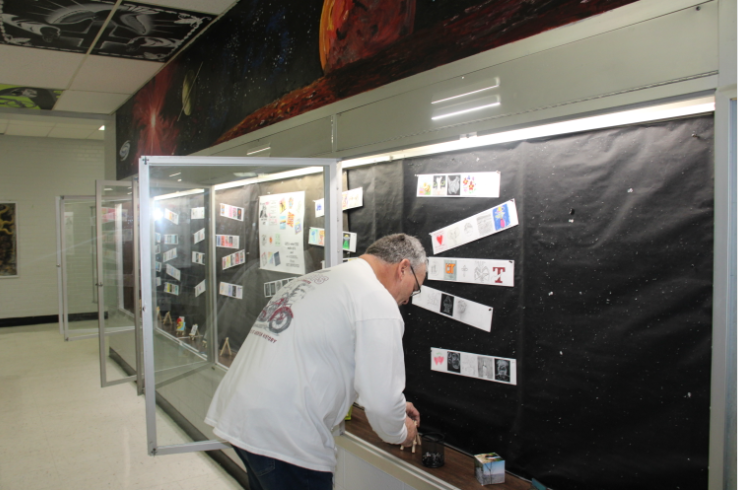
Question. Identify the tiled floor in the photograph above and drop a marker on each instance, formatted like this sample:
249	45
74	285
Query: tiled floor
59	430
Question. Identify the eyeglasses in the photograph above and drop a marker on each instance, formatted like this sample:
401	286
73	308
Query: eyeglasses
415	291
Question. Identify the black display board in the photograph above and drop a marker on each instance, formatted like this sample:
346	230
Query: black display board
186	304
235	317
610	317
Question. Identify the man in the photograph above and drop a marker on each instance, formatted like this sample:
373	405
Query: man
325	339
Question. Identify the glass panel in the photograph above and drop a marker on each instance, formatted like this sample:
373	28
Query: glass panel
79	267
223	243
116	263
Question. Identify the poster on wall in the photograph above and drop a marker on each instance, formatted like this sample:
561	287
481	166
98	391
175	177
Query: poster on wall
468	184
281	233
8	240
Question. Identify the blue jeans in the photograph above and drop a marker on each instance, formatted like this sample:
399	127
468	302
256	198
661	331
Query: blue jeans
267	473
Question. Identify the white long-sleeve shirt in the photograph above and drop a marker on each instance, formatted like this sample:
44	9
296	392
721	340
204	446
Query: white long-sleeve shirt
324	339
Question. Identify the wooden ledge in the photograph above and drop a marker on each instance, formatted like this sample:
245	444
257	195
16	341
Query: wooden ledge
456	474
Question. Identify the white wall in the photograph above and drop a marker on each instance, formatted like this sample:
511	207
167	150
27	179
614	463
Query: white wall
33	171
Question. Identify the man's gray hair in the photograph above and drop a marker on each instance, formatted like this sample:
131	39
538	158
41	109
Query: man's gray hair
394	248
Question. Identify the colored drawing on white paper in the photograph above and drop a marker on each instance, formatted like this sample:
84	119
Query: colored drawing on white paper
281	232
230	290
227	241
475	227
199	289
197	213
171	216
460	309
316	237
233	259
352	198
473	271
199	236
198	258
169	255
232	212
174	272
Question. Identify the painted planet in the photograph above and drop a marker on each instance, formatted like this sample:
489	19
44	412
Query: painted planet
351	30
188	94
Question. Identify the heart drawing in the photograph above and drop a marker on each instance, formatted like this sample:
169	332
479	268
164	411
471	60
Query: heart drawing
438	359
439	239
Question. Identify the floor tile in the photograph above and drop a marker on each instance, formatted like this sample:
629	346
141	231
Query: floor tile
62	431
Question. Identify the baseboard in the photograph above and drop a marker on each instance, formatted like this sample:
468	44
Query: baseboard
28	320
80	317
193	432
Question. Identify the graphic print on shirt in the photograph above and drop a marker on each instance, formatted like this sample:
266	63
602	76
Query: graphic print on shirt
277	315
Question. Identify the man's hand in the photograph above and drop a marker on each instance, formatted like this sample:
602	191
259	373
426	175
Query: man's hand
412	412
412	431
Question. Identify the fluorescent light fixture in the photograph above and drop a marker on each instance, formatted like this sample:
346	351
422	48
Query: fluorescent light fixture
467	93
659	112
477	108
179	180
101	128
178	194
288	174
259	150
108	188
174	175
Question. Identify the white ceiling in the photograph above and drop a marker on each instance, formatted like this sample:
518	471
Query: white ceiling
94	86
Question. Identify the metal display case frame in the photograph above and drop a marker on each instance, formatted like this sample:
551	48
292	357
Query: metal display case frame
101	187
62	269
333	255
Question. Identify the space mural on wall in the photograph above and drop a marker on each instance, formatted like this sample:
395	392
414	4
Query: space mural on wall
264	62
129	30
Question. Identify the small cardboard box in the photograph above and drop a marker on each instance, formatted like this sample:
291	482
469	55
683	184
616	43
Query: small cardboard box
489	468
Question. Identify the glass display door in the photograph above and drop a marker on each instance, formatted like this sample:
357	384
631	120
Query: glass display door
77	273
118	283
221	237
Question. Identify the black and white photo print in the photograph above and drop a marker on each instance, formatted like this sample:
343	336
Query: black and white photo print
502	370
486	367
447	304
454	362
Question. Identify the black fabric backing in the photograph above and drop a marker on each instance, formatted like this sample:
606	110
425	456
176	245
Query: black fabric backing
610	316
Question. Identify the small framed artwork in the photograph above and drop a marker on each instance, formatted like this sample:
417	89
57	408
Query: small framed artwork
8	239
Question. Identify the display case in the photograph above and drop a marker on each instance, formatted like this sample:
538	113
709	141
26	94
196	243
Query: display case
219	238
117	268
76	267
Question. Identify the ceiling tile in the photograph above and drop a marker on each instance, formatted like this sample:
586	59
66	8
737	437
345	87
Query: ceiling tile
65	132
116	75
43	68
216	7
15	129
93	102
